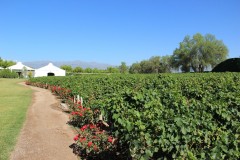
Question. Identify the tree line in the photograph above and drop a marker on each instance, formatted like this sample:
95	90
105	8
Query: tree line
111	69
76	70
196	53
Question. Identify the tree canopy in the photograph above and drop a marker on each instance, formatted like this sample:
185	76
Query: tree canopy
123	67
78	69
112	70
198	53
6	63
155	64
67	68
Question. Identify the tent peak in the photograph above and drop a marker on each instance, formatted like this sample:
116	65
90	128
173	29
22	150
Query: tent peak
19	63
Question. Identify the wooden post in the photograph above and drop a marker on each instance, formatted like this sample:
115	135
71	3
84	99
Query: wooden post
81	101
78	99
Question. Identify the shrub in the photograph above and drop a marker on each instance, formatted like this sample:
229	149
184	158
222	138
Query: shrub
6	73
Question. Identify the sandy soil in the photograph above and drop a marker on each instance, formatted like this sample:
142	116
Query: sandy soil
45	134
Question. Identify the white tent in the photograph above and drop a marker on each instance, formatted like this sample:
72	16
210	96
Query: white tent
21	69
49	70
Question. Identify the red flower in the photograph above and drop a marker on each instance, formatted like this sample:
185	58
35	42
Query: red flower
75	113
110	139
95	148
92	126
84	127
90	144
76	137
83	139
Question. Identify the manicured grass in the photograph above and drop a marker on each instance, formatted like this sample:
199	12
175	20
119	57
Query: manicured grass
14	102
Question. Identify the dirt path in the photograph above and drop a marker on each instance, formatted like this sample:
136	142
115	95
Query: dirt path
45	134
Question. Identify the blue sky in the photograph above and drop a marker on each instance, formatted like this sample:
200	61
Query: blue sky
111	31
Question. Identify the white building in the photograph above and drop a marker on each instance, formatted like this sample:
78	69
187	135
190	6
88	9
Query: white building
22	69
49	70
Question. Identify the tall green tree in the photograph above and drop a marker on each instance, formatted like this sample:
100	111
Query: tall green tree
78	70
155	64
146	66
96	70
112	70
6	63
67	68
123	67
135	68
198	53
165	63
88	70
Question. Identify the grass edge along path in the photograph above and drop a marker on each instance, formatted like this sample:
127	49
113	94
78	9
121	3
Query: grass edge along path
14	102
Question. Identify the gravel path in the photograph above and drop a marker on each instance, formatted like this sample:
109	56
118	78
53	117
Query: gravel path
45	134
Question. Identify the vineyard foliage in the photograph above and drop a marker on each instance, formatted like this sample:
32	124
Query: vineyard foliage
164	116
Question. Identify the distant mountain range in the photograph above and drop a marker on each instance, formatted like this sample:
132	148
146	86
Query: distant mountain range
77	63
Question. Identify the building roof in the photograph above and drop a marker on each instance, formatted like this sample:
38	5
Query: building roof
50	68
20	66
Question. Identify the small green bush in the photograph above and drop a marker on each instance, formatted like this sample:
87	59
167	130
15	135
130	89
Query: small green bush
6	73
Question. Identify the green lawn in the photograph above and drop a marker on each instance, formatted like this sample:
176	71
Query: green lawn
14	102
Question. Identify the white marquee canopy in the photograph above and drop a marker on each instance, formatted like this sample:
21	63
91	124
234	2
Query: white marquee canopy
49	70
19	67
